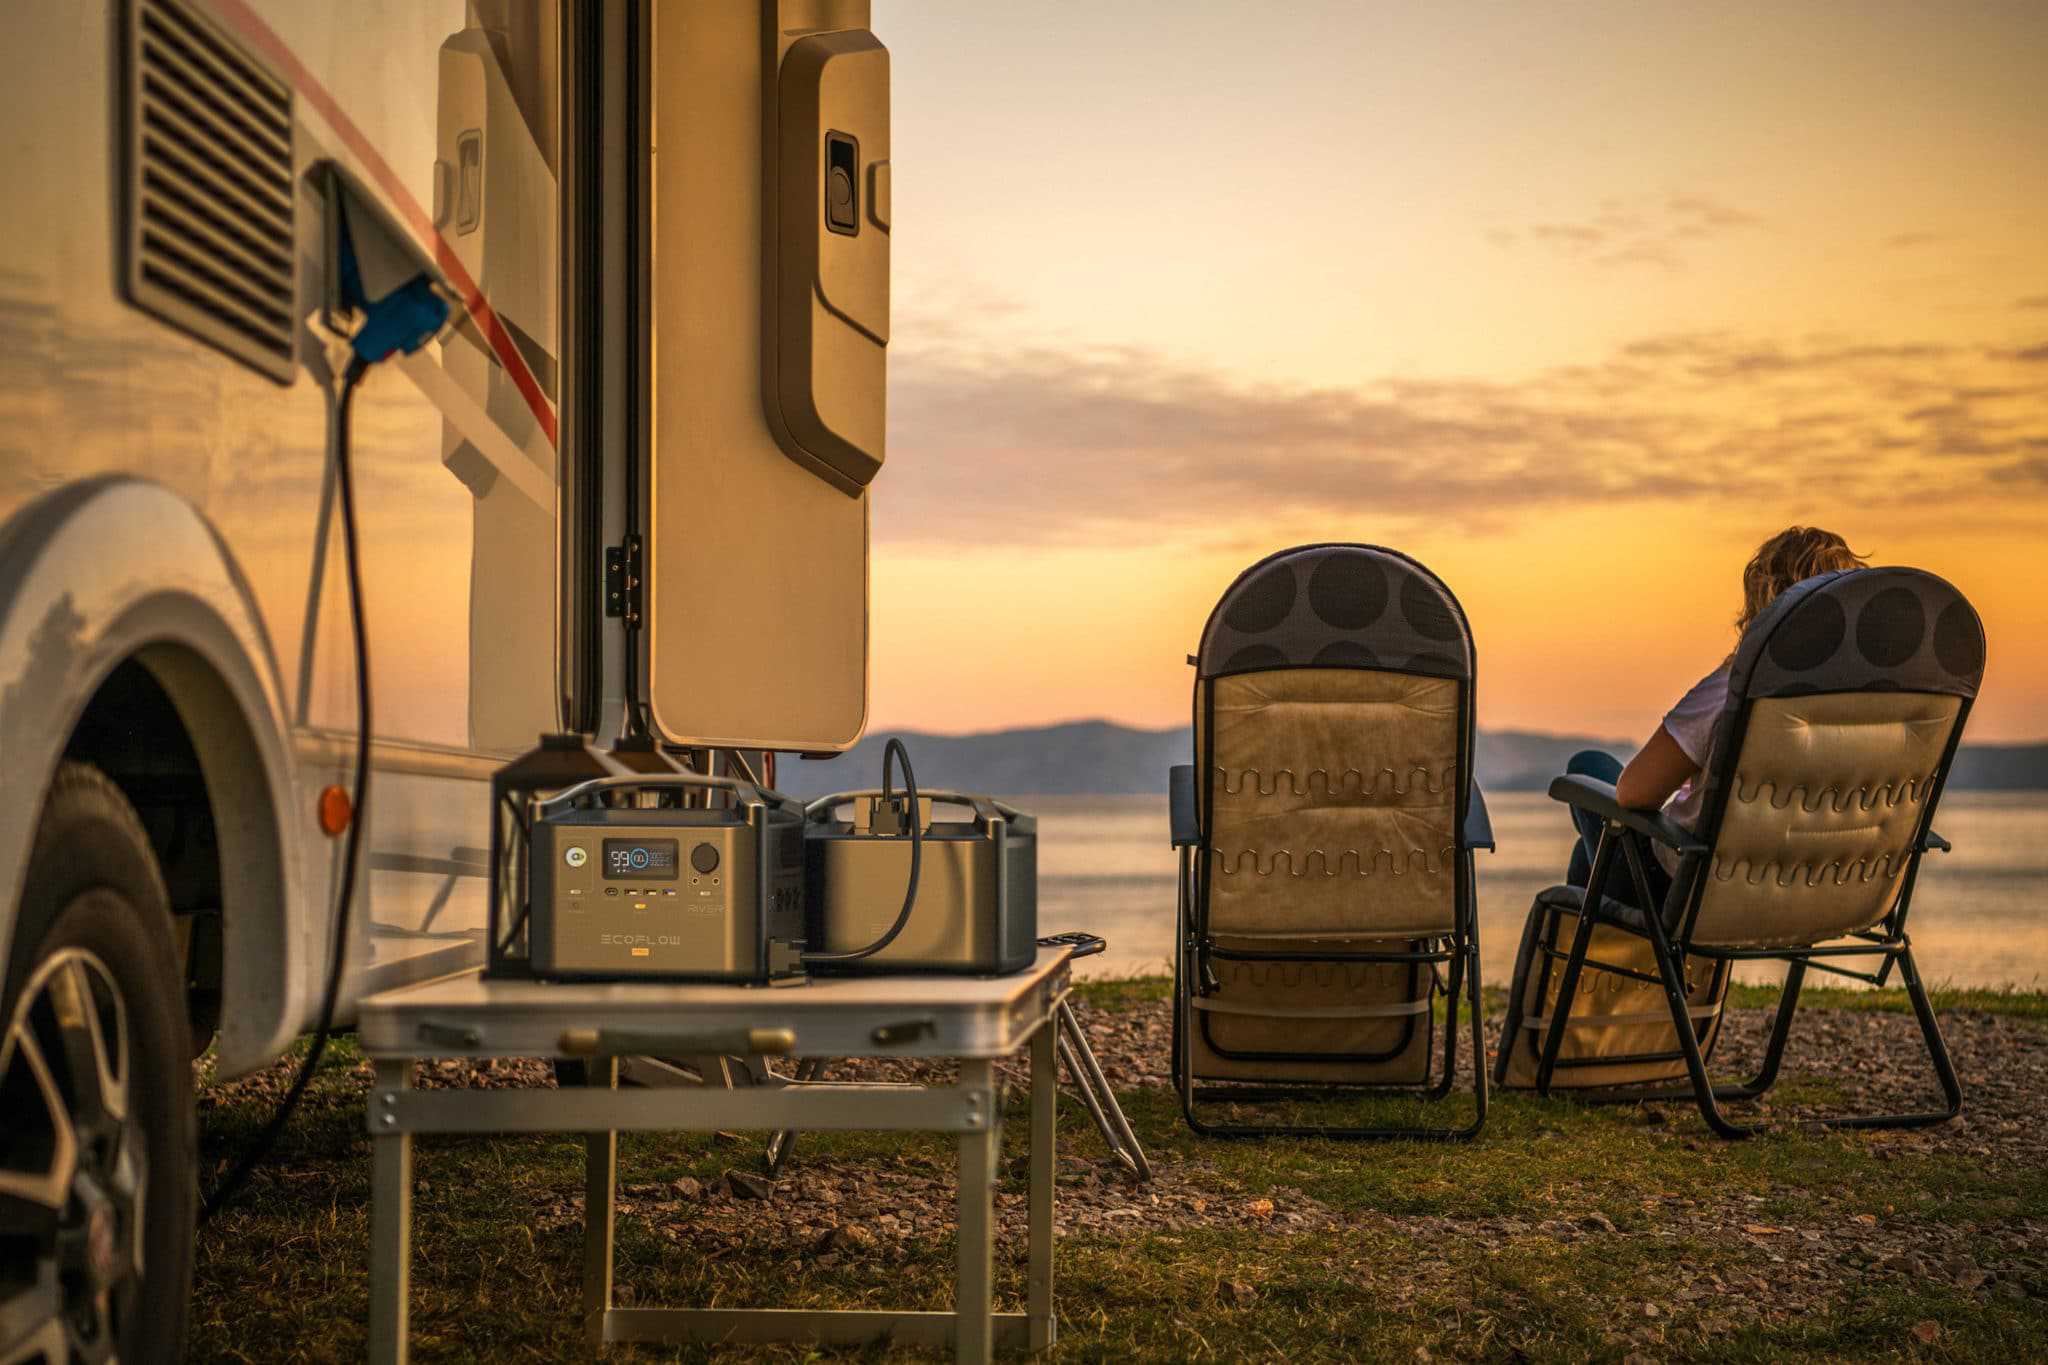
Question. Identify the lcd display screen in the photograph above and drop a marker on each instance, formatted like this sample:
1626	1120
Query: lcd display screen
640	860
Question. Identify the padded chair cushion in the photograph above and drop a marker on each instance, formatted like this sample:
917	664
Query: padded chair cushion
1340	1022
1825	800
1334	804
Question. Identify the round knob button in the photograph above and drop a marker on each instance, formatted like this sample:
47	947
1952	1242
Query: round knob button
704	857
575	857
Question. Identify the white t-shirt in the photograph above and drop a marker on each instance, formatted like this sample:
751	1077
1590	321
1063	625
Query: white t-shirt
1691	724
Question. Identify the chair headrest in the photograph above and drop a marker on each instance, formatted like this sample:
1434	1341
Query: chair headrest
1859	630
1337	606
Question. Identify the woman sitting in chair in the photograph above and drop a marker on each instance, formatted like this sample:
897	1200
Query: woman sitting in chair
1663	771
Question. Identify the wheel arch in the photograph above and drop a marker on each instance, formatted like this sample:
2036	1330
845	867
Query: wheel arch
112	574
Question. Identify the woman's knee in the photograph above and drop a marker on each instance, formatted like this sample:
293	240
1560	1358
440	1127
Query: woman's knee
1597	763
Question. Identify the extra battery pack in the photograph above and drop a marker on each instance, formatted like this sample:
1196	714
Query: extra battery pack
630	892
976	911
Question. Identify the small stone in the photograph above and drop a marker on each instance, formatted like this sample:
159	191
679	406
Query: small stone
1558	1228
688	1187
745	1186
1260	1208
1597	1222
1651	1310
1237	1291
1926	1331
850	1237
1973	1279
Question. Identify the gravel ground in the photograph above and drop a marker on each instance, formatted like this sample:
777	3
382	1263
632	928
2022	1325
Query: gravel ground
826	1209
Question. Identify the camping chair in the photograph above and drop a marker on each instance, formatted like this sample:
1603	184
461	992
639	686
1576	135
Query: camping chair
1846	700
1326	833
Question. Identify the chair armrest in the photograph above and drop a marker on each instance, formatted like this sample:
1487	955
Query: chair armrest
1591	794
1180	805
1478	825
1930	842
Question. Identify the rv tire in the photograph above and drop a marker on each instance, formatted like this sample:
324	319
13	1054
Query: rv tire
96	1080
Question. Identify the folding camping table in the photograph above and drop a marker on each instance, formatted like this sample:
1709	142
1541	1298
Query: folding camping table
976	1021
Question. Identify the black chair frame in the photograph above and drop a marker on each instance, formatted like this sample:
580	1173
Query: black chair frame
1627	836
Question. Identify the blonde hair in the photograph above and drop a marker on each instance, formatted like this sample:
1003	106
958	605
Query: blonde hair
1795	553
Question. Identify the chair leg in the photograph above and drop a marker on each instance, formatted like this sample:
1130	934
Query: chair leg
1450	1076
1582	941
1930	1031
1937	1052
1478	1026
1180	948
1754	1088
1567	991
1688	1037
1705	1093
1183	990
1774	1050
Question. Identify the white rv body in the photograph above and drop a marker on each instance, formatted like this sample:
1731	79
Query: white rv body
166	505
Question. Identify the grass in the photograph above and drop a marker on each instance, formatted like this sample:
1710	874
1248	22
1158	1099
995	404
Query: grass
2012	1001
1415	1251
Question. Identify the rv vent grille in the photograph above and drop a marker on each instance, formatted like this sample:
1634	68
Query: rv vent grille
210	190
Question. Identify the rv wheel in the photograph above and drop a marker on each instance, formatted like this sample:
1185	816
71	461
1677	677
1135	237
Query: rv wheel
97	1157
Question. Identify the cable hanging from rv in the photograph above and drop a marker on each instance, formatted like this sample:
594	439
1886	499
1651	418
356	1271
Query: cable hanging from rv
893	752
344	480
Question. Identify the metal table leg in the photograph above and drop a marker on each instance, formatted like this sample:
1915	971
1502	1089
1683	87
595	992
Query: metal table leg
974	1296
600	1207
390	1219
1045	1105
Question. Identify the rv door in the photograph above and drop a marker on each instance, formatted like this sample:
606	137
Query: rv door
769	253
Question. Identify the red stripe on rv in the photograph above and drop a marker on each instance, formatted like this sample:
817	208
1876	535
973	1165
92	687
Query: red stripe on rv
264	39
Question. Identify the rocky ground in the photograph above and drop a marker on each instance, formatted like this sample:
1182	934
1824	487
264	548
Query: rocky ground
1755	1235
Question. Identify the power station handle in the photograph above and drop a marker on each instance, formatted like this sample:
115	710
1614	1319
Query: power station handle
605	1042
981	805
745	792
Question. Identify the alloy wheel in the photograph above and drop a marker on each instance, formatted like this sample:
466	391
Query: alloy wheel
73	1167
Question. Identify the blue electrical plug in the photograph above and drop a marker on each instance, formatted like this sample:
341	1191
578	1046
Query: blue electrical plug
413	306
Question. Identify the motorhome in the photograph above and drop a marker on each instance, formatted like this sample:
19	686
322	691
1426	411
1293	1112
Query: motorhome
624	490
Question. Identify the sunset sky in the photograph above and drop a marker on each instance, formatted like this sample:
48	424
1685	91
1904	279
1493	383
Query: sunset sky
1574	302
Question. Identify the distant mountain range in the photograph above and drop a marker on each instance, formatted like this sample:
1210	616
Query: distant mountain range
1099	758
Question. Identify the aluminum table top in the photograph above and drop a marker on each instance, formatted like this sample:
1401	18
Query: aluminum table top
921	1016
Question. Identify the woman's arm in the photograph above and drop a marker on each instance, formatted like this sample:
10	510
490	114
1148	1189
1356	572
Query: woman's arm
1658	769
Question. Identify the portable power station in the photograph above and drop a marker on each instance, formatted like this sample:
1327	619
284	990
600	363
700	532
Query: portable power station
632	891
976	906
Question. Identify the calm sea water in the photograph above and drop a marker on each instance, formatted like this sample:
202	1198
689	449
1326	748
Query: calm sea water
1978	913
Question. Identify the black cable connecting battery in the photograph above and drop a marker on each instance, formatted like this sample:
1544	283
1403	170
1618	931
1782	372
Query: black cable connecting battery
976	911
